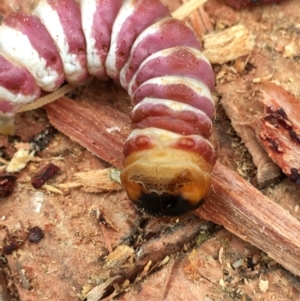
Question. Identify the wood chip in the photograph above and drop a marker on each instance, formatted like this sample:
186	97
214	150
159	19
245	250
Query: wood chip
20	160
94	181
97	292
118	257
187	8
228	45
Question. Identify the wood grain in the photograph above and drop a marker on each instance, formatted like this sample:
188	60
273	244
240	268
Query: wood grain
246	212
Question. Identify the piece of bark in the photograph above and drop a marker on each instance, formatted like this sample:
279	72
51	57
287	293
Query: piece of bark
233	202
241	107
100	129
246	212
43	175
7	184
221	14
278	129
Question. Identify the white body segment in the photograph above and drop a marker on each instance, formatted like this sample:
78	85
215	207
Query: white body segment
49	17
16	45
163	138
174	105
16	99
126	11
94	64
162	54
194	84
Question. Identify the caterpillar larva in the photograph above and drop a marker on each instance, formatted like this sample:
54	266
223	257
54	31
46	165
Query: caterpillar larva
155	57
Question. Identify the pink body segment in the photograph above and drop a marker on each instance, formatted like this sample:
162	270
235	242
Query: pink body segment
62	18
24	38
17	86
179	61
178	88
133	17
163	34
98	17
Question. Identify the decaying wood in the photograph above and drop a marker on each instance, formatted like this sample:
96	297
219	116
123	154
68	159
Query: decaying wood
228	45
4	291
240	106
100	129
278	129
242	4
126	264
233	202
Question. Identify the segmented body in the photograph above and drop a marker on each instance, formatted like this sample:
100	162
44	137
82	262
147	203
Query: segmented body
156	58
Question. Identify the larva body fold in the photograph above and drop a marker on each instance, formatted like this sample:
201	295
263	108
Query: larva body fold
156	58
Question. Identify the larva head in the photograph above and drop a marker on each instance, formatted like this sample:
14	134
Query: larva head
166	182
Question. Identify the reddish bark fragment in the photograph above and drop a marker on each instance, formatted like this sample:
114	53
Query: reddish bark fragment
7	184
46	173
279	129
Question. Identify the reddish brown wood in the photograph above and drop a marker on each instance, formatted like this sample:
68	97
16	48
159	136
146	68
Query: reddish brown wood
246	212
100	129
243	109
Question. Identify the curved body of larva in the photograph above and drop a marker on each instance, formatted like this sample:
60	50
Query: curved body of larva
156	58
